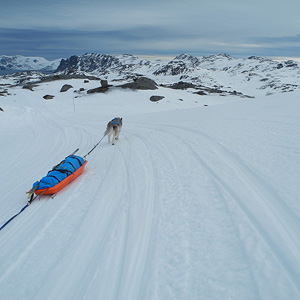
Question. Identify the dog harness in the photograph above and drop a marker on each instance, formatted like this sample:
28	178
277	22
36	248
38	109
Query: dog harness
116	121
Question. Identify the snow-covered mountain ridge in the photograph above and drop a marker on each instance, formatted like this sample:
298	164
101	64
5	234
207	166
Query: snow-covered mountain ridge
252	76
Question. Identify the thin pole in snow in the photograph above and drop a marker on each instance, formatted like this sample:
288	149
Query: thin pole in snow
74	103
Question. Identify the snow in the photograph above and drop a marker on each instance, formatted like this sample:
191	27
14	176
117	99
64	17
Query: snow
197	200
19	62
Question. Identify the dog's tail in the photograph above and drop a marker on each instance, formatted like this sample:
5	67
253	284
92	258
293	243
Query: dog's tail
107	129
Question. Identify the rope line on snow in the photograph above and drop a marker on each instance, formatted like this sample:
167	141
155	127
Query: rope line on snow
94	147
28	203
14	216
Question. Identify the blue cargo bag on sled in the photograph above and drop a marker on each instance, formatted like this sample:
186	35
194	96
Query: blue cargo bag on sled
60	172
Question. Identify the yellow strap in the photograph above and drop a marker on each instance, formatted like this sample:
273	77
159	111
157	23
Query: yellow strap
29	194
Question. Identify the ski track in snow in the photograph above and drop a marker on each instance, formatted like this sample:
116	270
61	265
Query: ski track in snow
253	189
196	264
168	213
275	223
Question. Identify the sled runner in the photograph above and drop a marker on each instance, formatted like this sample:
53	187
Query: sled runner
60	175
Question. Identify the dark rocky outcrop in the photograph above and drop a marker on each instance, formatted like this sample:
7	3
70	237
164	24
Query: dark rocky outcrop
99	89
65	88
203	90
48	97
181	64
3	93
201	93
291	64
66	77
172	68
69	63
28	86
104	83
156	98
142	83
181	85
88	62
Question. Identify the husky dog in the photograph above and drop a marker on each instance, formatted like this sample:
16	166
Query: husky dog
113	128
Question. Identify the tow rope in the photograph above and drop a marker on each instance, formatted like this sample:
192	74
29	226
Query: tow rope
28	203
14	216
94	147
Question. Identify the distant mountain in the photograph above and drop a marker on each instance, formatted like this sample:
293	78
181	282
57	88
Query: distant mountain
216	71
243	74
22	63
252	76
102	63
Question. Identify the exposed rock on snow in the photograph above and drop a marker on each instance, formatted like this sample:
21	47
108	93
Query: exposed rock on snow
181	85
3	93
104	83
29	86
142	83
203	90
49	78
156	98
65	88
102	89
48	97
99	89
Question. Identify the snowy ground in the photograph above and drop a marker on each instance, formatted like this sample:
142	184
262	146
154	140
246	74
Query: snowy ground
193	201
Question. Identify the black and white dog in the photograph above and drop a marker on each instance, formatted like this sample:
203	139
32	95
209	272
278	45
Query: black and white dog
113	129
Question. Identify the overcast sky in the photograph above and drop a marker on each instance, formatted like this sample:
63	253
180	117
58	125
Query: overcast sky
61	28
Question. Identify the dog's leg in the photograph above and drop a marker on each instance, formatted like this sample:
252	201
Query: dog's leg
117	133
113	138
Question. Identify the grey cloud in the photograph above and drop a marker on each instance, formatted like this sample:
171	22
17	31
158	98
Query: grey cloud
64	28
72	42
280	39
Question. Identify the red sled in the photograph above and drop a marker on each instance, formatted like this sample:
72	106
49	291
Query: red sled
54	189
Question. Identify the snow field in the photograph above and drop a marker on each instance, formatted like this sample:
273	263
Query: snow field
192	202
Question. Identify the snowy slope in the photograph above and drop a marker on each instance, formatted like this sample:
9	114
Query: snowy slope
193	201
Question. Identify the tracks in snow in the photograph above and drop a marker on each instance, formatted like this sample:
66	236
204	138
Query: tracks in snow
275	223
196	239
143	224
